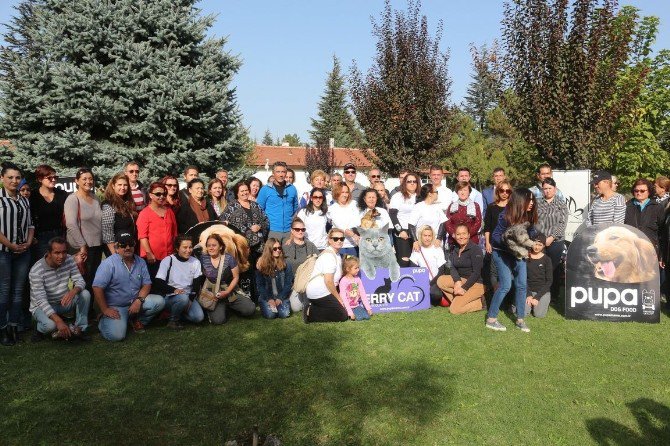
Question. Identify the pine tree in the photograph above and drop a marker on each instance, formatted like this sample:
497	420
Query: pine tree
267	138
334	118
482	94
98	83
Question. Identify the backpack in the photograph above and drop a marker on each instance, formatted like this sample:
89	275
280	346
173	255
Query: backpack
303	274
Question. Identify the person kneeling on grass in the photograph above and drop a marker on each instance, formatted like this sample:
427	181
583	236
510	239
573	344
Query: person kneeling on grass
51	296
540	277
121	290
274	281
463	286
352	291
179	279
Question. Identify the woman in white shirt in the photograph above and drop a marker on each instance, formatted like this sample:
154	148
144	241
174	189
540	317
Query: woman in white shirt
427	211
432	258
315	217
400	210
367	206
324	301
344	214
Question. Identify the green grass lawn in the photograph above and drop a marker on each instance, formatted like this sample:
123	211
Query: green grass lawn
427	378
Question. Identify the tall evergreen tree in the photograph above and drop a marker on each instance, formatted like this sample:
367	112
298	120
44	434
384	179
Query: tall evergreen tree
334	118
482	94
267	138
98	83
403	102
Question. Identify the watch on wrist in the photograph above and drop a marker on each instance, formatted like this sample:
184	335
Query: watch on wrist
141	299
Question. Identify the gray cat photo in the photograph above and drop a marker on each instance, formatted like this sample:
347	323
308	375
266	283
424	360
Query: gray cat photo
375	251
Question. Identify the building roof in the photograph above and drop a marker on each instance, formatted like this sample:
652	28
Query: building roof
295	156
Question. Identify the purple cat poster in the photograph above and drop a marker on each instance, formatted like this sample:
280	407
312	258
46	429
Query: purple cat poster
409	293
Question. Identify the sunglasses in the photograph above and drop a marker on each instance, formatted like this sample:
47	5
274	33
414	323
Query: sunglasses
640	191
337	239
170	184
126	245
52	177
411	181
349	171
375	176
276	248
505	191
317	197
134	171
299	229
159	194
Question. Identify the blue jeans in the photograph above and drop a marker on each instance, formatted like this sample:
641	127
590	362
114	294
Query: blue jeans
361	313
13	274
178	304
348	251
509	269
283	310
115	329
81	301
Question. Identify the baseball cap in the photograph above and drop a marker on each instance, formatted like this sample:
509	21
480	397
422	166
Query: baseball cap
601	175
125	238
349	166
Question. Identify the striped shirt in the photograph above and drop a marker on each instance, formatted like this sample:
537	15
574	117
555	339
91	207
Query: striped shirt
552	218
612	210
48	285
138	197
15	219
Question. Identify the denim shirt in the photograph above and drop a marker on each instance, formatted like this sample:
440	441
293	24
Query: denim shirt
121	286
283	279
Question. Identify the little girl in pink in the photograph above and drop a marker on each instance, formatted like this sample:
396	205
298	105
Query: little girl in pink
352	291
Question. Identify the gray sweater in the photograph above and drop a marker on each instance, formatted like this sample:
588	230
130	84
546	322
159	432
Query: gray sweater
90	233
296	254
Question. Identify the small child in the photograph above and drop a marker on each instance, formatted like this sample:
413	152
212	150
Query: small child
540	277
352	291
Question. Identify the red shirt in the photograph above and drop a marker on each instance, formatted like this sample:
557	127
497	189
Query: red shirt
161	232
461	217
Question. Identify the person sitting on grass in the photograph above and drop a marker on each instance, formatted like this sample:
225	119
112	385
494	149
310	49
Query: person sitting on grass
540	277
121	290
179	279
274	281
51	295
352	291
463	286
432	258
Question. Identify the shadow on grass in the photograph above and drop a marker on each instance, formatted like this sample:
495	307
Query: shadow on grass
653	419
307	384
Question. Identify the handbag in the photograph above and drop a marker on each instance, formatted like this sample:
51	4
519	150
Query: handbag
81	265
207	297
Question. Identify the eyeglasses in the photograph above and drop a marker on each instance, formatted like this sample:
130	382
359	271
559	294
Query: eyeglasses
410	181
170	184
375	176
126	245
159	194
317	197
505	191
640	191
337	239
134	171
52	177
349	171
299	229
276	248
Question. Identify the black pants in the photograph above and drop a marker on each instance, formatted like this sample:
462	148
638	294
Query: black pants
326	309
403	248
555	252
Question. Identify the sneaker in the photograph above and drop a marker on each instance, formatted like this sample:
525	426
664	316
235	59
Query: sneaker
138	327
175	325
496	326
522	326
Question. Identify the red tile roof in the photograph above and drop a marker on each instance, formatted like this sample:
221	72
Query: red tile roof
295	156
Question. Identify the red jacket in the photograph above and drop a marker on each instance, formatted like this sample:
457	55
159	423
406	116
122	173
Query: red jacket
461	217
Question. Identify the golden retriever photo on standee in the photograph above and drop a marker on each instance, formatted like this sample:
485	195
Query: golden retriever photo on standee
618	254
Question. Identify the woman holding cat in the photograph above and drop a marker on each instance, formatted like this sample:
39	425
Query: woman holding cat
325	302
400	210
343	214
520	210
368	210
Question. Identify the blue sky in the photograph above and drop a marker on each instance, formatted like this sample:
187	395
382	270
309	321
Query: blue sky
287	47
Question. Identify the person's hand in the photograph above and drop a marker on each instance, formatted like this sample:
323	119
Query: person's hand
403	235
179	291
352	317
135	307
369	312
111	313
357	239
278	302
529	300
83	253
535	302
661	263
489	248
255	228
151	258
67	298
437	243
550	240
63	330
458	290
416	247
222	294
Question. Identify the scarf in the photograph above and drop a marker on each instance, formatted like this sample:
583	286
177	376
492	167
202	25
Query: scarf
199	210
471	211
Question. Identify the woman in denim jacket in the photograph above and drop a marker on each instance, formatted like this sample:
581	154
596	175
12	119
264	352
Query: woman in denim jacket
274	281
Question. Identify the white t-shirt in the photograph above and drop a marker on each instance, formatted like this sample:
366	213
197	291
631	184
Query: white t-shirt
344	217
181	273
433	255
327	263
444	197
427	214
382	219
315	223
405	206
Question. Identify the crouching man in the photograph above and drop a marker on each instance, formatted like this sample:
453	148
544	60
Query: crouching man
51	296
121	290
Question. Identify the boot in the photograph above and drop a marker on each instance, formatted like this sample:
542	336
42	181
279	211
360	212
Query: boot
16	335
6	337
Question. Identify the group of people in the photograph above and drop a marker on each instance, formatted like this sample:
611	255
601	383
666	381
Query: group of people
52	245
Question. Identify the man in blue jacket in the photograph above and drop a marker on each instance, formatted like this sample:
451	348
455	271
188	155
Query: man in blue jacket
279	200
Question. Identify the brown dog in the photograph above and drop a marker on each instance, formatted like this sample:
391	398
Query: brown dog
236	244
620	255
